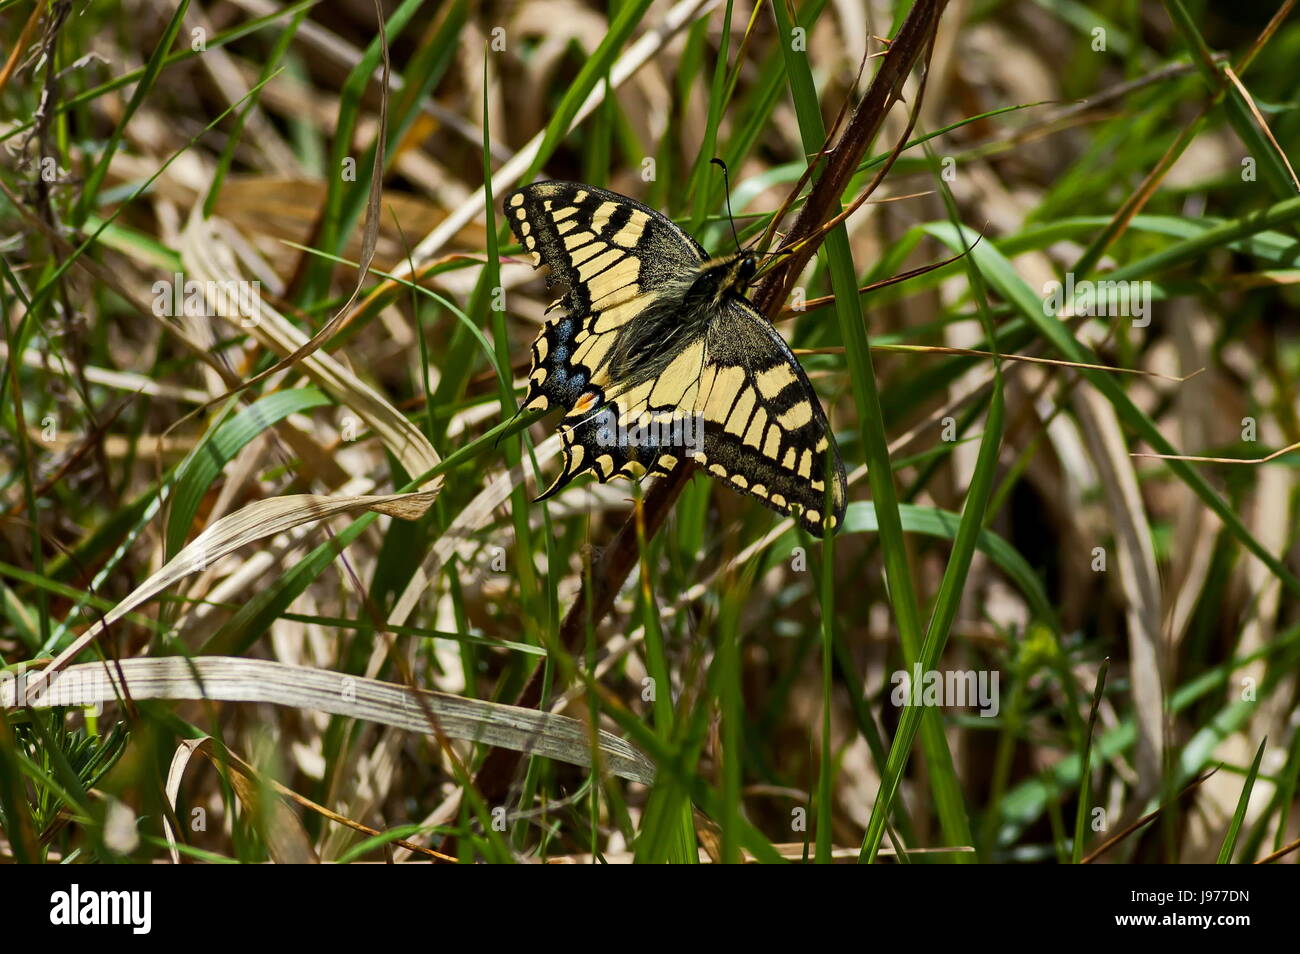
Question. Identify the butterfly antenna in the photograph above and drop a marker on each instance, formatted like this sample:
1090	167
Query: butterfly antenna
726	181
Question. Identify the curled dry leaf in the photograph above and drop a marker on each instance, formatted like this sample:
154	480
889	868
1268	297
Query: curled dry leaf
286	840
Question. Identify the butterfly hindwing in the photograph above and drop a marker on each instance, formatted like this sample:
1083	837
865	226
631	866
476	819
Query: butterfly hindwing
592	445
764	429
637	425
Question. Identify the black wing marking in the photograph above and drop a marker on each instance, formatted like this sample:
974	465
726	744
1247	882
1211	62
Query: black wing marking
765	432
613	254
635	428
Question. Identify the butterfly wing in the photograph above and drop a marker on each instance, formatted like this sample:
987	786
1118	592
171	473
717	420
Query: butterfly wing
638	426
619	259
614	255
764	429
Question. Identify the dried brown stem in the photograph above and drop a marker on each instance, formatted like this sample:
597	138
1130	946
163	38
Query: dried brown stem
1144	820
843	158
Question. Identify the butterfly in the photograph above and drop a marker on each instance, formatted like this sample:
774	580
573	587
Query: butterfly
656	355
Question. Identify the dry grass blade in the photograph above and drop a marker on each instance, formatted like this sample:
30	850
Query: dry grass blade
640	53
1226	460
212	261
286	840
476	515
1031	359
1146	819
257	521
813	304
234	679
24	38
1280	853
118	380
790	851
1266	34
1263	126
111	280
1139	579
369	233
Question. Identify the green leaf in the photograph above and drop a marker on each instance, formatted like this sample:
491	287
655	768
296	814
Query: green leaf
1230	839
219	447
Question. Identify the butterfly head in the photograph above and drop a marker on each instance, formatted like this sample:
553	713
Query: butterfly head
746	266
735	273
719	277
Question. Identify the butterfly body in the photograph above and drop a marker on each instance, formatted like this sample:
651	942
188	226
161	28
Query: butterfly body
657	356
676	315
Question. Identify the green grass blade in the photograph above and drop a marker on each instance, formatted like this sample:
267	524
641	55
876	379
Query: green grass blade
95	179
945	611
1238	816
1085	760
1012	288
